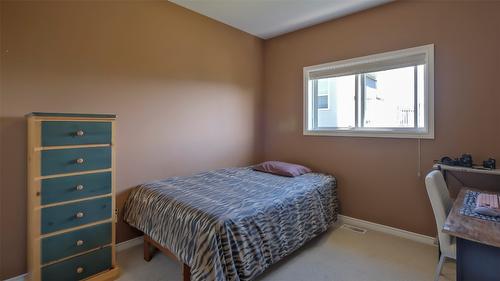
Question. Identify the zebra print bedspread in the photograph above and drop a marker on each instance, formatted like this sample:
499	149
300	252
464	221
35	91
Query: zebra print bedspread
232	224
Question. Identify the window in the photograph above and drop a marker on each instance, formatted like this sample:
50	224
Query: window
383	95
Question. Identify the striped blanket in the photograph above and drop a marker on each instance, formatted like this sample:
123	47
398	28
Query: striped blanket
232	224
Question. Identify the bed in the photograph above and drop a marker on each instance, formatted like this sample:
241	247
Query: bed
231	224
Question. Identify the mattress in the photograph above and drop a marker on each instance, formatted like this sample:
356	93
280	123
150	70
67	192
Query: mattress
232	224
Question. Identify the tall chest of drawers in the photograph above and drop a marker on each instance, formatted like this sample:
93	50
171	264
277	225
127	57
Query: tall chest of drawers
71	197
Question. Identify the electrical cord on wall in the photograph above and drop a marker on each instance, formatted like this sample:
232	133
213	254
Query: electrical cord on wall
419	158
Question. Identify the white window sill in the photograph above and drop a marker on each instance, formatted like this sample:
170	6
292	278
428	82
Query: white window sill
405	134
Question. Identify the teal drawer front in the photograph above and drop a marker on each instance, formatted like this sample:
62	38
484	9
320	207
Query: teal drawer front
59	161
71	243
75	133
75	214
75	187
80	267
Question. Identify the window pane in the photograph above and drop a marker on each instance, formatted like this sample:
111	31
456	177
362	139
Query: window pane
389	98
341	111
323	87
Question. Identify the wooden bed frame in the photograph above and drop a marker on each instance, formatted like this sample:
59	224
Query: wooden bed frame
150	247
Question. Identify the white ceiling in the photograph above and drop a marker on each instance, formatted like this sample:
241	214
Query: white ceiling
270	18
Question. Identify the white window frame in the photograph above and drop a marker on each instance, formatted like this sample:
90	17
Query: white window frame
419	133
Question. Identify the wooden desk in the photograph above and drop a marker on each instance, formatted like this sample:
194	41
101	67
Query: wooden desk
478	244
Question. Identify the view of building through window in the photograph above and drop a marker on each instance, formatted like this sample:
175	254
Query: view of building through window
384	99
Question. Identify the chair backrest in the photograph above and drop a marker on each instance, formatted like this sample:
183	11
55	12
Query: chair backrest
441	204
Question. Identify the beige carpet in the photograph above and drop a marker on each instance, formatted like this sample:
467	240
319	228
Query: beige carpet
338	255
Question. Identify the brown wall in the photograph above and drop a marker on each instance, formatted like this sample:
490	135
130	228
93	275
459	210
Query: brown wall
1	149
377	177
187	91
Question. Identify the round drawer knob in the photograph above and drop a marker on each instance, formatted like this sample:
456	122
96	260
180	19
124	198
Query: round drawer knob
79	215
79	242
79	187
80	133
80	161
79	270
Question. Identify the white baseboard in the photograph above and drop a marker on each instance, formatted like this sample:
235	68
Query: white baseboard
21	277
129	243
387	229
341	220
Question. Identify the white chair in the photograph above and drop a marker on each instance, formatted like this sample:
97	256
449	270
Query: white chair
441	205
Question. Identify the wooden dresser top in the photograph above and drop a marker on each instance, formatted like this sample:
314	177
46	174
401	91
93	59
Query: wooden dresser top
83	115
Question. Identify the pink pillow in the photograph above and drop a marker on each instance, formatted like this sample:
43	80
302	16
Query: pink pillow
282	168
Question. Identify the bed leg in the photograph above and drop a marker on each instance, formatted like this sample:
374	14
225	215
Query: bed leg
186	272
149	249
